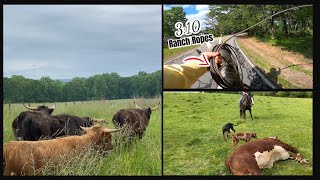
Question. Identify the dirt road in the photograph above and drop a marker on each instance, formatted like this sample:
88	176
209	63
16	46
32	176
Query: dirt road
284	68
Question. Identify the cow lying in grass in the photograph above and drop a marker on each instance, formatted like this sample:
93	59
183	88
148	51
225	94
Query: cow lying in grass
26	157
250	158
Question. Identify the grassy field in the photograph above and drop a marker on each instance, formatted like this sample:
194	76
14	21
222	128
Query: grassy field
143	157
193	141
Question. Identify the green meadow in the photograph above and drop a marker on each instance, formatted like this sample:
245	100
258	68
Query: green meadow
142	157
193	142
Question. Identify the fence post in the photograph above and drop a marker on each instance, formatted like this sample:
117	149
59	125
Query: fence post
9	105
65	103
74	102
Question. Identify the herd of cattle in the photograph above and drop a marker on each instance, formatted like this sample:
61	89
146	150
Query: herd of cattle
41	136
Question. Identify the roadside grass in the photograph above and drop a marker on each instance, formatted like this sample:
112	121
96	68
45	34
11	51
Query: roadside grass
169	54
193	141
302	45
263	64
141	158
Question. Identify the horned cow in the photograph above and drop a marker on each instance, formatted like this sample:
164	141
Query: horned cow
26	157
40	123
135	121
250	158
35	113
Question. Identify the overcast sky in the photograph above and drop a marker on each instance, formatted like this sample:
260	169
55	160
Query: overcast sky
66	41
193	12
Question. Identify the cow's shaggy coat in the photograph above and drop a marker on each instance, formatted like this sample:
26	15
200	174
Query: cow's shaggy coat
26	157
40	124
135	121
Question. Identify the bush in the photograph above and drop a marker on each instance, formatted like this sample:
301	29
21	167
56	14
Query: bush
282	94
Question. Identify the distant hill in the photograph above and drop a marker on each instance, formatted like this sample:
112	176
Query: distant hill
64	80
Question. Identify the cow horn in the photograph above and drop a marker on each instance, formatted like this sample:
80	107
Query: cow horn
31	108
137	105
112	130
84	128
53	106
155	107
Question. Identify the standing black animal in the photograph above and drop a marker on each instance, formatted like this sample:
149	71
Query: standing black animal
135	121
245	103
40	124
226	130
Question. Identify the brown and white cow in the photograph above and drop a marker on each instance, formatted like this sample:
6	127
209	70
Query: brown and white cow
26	157
250	158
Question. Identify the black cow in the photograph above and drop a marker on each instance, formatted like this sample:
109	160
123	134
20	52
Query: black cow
36	113
135	121
40	124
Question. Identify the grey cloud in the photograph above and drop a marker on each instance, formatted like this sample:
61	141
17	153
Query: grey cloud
90	38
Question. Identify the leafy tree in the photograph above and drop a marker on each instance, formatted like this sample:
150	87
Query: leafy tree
170	17
230	19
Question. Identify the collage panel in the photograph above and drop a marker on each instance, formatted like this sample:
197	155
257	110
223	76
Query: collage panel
159	90
237	133
238	46
79	96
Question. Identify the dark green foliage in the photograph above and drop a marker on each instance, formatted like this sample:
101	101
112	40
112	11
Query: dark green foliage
294	94
230	19
170	17
102	86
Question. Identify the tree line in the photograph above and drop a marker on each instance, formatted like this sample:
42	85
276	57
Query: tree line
230	19
18	89
292	94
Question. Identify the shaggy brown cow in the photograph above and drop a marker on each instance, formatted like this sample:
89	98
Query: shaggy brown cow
26	157
135	121
250	158
236	137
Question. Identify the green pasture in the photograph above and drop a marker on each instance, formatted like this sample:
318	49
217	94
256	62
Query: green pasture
193	142
142	157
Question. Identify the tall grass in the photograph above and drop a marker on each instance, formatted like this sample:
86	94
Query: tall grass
141	157
193	140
